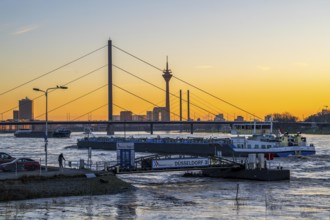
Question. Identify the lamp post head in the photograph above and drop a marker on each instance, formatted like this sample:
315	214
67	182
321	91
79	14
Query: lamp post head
62	87
36	89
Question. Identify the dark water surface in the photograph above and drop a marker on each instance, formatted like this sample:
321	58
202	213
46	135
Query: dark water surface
171	196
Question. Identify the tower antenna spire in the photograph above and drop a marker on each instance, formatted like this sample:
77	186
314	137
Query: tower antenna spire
167	63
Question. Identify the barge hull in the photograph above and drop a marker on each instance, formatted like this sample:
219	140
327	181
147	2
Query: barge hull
249	174
168	148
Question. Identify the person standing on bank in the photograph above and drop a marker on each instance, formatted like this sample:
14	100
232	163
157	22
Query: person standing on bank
60	160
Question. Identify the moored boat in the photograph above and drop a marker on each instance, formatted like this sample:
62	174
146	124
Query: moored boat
61	133
272	145
269	144
28	133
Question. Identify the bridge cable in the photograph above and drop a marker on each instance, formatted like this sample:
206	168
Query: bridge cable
160	89
100	108
90	112
73	100
74	80
84	95
137	58
199	99
202	90
139	97
183	81
49	72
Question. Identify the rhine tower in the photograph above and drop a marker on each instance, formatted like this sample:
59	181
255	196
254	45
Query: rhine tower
167	76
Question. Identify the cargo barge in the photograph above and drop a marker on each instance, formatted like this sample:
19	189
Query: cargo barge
240	146
28	133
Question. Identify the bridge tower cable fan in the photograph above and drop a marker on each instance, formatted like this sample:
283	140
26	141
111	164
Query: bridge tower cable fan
185	82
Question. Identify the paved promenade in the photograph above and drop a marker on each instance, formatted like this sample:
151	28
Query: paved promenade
52	171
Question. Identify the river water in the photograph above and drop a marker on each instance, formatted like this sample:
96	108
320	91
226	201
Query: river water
171	196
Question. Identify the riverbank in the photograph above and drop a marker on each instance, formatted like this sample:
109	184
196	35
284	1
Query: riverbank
31	186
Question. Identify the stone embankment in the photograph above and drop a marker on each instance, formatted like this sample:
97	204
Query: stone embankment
33	186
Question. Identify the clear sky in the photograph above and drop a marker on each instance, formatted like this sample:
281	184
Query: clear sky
264	56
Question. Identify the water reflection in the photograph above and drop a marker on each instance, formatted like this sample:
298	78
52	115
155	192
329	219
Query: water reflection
169	195
126	206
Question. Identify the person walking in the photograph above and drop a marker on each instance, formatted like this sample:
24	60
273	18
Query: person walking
60	160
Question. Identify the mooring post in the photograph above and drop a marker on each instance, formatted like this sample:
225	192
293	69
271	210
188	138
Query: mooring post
237	192
151	128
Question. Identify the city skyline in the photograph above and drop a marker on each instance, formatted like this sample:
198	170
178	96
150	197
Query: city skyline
265	57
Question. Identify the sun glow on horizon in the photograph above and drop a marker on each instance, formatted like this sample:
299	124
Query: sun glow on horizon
261	57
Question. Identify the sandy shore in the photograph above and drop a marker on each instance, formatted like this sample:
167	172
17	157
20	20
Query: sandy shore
30	187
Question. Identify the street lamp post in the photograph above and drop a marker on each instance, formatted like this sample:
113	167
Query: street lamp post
46	128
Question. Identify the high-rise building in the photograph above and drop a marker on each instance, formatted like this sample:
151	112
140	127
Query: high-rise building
25	109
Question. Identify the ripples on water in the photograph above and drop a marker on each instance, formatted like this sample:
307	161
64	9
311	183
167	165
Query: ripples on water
170	196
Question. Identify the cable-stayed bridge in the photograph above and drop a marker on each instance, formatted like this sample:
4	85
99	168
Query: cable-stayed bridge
193	101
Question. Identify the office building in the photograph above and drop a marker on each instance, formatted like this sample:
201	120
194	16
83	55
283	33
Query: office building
25	109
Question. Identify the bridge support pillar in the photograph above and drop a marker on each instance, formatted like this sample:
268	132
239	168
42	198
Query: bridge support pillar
110	129
191	128
151	128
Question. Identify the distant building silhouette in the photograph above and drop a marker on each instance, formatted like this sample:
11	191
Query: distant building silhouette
116	117
268	118
219	117
15	115
139	117
25	109
149	116
239	118
325	111
160	114
126	116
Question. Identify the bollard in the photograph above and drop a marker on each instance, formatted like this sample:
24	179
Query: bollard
16	168
40	167
81	164
237	192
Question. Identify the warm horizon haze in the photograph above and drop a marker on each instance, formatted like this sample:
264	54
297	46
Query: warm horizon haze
262	56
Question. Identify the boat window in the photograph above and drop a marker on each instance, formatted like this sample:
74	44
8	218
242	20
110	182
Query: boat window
269	146
249	146
256	146
263	146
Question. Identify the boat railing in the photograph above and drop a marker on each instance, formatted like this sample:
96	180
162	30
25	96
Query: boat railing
97	166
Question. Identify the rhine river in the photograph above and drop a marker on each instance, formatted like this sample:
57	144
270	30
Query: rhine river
171	196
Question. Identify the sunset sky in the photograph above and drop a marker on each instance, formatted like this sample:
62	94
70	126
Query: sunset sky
263	56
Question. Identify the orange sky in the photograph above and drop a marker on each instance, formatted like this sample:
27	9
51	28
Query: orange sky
265	57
